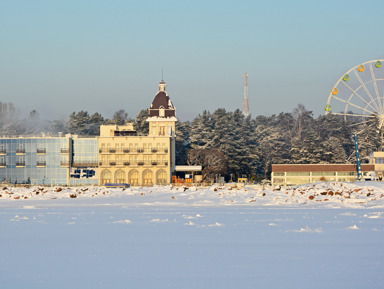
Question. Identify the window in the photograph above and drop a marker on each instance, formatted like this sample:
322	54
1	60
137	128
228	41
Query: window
297	173
321	174
278	174
379	160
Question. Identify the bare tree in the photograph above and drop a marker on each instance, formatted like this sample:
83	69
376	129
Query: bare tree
212	160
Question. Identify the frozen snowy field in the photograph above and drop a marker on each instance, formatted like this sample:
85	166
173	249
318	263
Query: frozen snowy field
206	238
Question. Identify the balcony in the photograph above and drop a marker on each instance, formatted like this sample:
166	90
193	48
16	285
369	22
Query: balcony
20	151
3	164
154	163
126	151
140	163
140	150
3	151
20	164
84	164
154	150
112	151
64	164
104	151
162	151
126	163
41	151
64	150
41	164
112	163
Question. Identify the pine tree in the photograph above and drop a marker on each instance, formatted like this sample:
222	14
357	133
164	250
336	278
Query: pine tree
201	131
182	142
141	124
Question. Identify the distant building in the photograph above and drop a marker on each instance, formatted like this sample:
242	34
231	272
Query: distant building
117	156
297	174
48	160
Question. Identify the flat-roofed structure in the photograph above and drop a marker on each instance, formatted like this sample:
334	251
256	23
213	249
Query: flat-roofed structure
296	174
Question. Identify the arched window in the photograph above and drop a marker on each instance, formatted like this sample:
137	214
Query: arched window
161	177
119	176
133	177
106	176
148	177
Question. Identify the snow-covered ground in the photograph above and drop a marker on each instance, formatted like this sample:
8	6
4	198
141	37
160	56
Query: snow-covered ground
325	235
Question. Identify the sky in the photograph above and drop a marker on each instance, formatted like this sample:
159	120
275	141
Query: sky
101	56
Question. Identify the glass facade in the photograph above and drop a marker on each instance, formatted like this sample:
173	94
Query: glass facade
32	161
85	162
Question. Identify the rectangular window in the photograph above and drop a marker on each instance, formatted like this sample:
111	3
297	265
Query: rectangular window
347	173
379	160
278	174
297	173
321	174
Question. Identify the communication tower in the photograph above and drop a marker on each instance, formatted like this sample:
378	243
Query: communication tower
246	100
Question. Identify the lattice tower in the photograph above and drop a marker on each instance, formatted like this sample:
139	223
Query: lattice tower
246	100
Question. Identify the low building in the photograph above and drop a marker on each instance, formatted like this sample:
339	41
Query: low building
296	174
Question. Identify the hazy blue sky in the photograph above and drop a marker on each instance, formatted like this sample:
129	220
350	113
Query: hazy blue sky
101	56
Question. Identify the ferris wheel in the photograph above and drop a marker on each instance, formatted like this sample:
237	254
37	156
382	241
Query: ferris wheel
359	94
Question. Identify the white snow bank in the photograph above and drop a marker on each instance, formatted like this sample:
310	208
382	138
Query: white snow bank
329	195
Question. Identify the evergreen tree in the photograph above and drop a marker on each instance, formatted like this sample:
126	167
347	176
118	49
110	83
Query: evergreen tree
201	131
82	123
141	124
182	143
120	117
79	123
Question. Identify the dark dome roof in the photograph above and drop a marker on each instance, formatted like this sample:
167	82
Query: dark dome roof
161	101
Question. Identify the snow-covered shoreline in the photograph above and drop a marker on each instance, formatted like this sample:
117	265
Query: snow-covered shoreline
319	195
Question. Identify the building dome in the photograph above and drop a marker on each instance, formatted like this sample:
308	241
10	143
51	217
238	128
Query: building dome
162	105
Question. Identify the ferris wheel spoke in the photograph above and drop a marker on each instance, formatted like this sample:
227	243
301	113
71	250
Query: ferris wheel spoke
362	130
352	104
370	121
354	92
366	89
352	114
376	89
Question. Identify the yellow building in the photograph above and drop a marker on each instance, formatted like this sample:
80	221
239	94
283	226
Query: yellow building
378	161
297	174
140	160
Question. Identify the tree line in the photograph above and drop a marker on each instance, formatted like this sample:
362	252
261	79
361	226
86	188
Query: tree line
227	143
251	145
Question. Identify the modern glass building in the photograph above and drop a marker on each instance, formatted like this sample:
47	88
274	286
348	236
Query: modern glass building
33	160
65	160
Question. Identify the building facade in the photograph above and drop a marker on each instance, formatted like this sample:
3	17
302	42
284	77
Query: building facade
118	155
297	174
137	160
47	160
